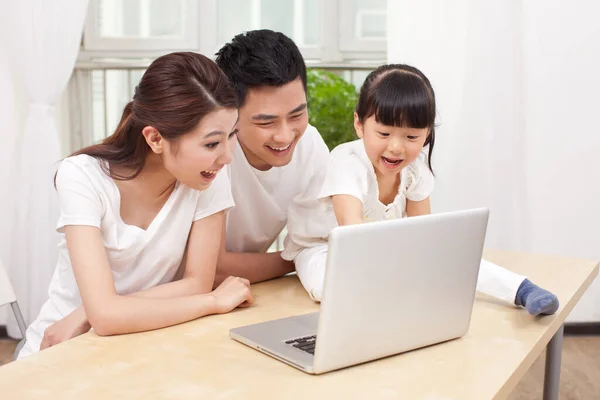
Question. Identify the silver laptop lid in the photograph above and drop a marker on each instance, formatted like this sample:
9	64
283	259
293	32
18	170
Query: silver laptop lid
397	285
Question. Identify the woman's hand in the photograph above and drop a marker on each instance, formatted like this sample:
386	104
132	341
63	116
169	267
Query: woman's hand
71	326
233	292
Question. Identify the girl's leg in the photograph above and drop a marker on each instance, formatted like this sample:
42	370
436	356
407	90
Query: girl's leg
310	267
515	289
498	282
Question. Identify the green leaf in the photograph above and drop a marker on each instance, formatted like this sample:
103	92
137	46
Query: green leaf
331	102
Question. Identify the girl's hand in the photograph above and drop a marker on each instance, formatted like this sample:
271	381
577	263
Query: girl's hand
233	292
71	326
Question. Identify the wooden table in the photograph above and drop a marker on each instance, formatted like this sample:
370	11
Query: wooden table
198	359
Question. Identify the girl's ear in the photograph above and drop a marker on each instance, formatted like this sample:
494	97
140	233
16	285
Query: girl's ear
430	137
358	126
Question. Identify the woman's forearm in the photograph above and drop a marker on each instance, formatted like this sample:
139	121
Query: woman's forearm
184	287
129	314
181	288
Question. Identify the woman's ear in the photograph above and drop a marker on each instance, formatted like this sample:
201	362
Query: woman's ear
154	139
358	127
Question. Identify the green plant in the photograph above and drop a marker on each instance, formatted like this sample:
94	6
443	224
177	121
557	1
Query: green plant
331	102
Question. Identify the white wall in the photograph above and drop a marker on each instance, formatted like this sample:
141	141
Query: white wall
10	115
562	42
517	85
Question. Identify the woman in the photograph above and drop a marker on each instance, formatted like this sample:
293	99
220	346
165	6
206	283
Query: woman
132	206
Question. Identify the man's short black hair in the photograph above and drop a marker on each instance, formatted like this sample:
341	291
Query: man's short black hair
261	58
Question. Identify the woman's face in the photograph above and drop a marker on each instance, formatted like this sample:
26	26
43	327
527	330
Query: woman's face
196	157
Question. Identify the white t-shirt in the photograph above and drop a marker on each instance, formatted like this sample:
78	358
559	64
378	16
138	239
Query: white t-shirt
262	197
139	259
350	172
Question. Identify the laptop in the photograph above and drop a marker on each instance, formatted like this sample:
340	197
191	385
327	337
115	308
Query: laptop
390	287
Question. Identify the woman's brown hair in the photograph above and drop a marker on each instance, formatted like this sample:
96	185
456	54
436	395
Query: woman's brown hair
175	93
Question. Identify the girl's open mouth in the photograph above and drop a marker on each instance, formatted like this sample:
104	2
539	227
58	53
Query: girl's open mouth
391	162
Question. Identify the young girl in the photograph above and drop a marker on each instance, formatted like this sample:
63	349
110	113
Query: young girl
131	206
385	175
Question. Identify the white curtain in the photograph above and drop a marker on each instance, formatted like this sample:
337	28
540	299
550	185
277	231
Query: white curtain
8	138
516	84
44	42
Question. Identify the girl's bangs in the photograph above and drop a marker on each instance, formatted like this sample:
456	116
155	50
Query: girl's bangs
403	100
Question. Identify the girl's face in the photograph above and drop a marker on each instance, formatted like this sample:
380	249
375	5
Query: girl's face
390	148
197	157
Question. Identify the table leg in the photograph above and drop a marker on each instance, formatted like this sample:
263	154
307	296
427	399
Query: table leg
19	317
553	362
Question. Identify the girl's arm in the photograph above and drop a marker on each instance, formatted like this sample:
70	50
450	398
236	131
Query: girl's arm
109	313
348	209
416	208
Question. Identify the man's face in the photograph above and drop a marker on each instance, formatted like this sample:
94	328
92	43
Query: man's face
271	122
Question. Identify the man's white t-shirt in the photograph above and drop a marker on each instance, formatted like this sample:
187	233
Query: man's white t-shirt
139	259
350	172
262	197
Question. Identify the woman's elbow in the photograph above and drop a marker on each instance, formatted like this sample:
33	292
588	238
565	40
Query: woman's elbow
103	322
102	330
222	271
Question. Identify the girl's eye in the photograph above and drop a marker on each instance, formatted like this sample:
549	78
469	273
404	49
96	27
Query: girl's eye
296	116
232	134
413	137
212	145
384	134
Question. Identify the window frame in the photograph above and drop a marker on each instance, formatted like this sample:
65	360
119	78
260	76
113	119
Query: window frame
93	42
350	44
338	42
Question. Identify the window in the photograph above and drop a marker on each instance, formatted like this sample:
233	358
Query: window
363	26
298	19
122	37
111	90
133	25
325	30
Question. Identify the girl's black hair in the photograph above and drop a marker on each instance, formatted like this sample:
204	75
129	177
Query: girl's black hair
399	95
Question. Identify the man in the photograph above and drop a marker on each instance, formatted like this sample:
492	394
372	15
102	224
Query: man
277	155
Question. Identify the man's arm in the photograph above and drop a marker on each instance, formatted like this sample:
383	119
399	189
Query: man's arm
256	267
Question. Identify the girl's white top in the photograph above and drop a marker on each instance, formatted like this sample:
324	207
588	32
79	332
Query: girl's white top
350	172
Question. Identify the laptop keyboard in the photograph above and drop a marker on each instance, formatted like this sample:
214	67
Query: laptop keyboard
306	343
